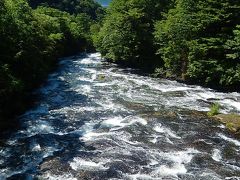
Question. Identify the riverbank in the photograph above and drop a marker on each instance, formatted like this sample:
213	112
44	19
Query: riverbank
19	102
33	36
231	121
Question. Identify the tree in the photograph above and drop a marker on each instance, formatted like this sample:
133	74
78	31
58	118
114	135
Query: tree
90	7
126	34
31	41
192	41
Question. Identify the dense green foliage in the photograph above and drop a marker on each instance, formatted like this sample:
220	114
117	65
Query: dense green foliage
30	43
89	7
196	41
126	34
214	110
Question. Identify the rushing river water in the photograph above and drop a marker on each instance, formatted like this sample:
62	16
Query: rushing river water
95	120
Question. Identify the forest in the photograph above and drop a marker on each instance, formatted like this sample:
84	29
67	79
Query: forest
33	35
196	42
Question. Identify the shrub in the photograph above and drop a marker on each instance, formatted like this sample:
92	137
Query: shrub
214	110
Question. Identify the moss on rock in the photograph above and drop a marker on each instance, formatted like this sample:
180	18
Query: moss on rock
232	121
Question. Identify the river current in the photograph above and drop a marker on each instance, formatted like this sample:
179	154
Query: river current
95	120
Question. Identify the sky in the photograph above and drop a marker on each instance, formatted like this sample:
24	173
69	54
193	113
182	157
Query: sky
104	2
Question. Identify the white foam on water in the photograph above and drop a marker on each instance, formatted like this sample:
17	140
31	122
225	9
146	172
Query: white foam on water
222	126
94	55
233	178
39	127
210	175
203	140
166	131
235	168
91	60
85	79
104	84
113	122
181	156
234	141
92	136
87	61
35	147
189	99
206	95
153	162
169	89
4	173
91	71
176	169
130	142
159	129
176	166
82	164
62	78
140	176
59	177
154	140
138	81
29	163
178	159
93	77
231	103
169	141
68	111
119	121
86	89
192	95
168	86
49	151
216	155
108	104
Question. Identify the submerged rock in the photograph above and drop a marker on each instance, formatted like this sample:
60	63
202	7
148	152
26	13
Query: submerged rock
101	77
232	121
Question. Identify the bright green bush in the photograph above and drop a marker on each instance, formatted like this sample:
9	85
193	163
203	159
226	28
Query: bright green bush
214	110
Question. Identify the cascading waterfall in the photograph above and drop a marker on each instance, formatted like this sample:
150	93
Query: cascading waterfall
95	120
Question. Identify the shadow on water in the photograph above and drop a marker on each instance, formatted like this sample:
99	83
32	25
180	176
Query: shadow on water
66	147
42	134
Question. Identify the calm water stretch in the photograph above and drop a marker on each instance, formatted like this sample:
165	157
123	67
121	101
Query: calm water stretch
95	120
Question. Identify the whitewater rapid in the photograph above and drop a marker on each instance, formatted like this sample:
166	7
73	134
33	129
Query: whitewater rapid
95	120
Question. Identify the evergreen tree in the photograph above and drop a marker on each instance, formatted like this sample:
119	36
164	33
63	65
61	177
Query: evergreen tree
126	34
192	41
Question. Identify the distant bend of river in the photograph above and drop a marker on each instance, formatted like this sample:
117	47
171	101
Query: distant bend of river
95	120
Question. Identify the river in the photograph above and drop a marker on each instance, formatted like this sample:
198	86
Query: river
95	120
